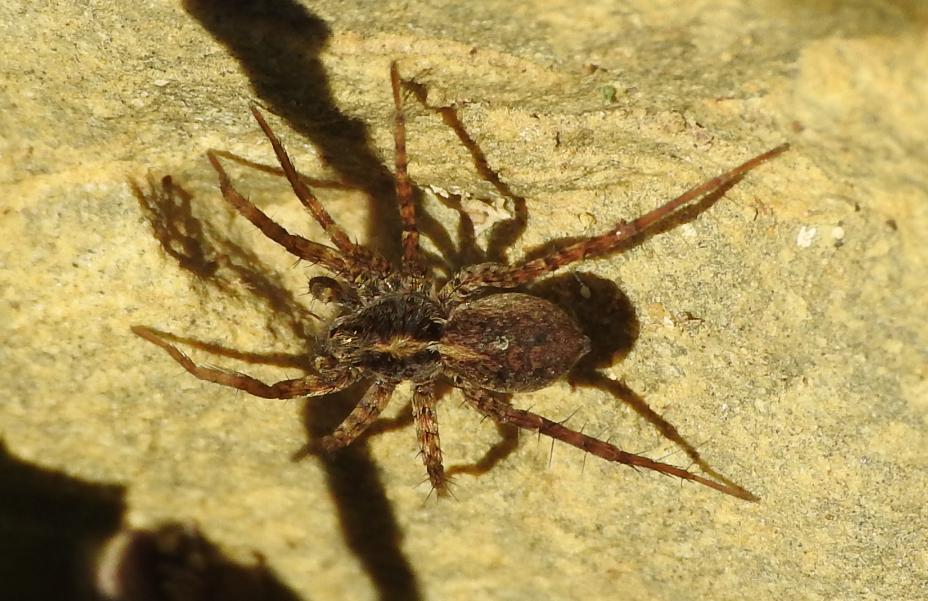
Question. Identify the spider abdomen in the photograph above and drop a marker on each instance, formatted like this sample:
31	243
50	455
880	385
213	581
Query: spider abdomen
510	342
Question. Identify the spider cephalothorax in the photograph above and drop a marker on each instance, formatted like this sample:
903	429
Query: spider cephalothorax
394	336
392	324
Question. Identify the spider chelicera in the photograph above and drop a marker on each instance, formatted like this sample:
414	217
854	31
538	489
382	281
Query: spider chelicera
394	323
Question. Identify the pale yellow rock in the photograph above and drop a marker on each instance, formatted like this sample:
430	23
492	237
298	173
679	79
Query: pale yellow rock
798	369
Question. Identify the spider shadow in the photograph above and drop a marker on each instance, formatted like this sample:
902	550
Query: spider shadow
145	563
611	346
55	524
49	524
369	526
606	315
366	518
278	43
213	258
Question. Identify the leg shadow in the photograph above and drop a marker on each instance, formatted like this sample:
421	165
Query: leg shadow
368	524
620	390
200	248
496	454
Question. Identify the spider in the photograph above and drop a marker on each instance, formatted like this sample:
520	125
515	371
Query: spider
395	323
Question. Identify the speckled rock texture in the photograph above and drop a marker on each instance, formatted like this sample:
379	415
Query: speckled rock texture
782	330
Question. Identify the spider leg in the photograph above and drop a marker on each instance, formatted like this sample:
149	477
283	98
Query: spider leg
504	233
503	276
361	417
295	245
361	261
412	257
332	229
423	411
278	172
313	385
488	404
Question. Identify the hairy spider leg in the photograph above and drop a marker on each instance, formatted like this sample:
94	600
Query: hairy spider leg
360	258
504	233
294	244
365	413
278	172
423	412
412	257
309	200
503	276
488	404
313	385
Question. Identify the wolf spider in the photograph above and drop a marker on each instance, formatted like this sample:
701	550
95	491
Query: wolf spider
394	323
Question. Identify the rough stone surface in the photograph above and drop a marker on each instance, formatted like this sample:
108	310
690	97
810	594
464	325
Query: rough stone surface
783	330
